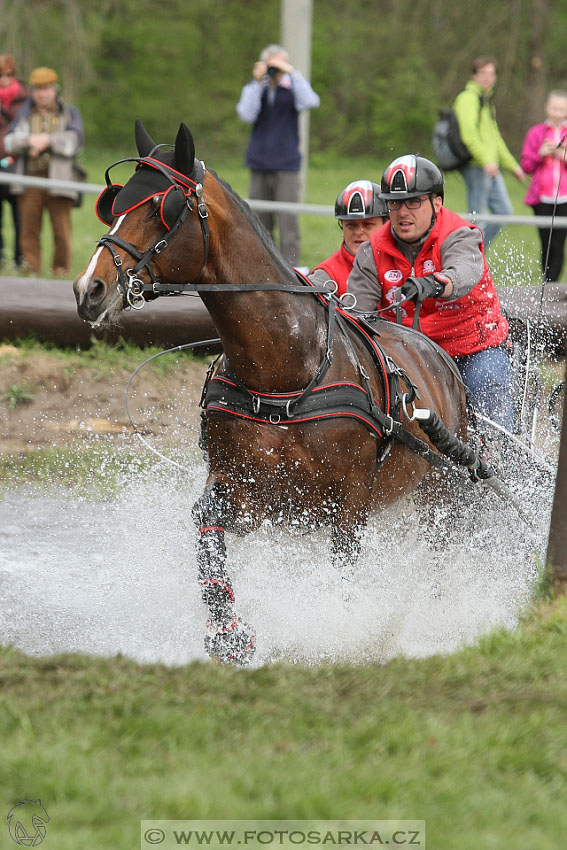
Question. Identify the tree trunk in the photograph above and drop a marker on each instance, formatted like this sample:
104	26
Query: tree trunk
557	545
541	15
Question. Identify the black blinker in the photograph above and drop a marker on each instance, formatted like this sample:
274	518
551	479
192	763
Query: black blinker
104	203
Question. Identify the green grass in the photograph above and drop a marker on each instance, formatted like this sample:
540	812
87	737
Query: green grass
474	743
102	357
16	395
514	256
95	469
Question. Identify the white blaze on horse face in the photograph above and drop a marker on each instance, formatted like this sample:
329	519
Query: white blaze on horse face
85	279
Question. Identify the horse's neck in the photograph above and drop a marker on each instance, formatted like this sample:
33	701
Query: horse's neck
273	340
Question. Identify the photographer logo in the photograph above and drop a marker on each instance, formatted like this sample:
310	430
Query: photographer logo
26	823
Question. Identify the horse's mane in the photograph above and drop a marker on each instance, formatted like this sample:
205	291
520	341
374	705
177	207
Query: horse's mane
253	220
168	158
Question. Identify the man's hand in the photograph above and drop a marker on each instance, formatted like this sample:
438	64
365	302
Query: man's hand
281	64
38	143
417	289
260	71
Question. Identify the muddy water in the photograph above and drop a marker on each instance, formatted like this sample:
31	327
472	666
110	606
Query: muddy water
118	575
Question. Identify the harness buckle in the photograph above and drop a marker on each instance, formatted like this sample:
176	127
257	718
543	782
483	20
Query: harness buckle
407	414
256	404
160	246
275	419
117	260
202	209
388	429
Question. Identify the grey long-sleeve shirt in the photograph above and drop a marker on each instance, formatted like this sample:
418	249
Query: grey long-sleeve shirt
250	103
461	260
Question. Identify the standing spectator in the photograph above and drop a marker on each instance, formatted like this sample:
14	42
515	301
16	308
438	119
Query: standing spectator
486	189
45	137
271	102
12	95
543	155
359	211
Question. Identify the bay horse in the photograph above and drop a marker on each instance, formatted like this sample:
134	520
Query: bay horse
302	417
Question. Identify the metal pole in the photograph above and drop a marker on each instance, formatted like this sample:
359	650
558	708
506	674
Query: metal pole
557	544
295	24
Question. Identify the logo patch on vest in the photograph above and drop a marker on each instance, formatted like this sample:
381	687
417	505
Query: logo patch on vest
428	267
393	275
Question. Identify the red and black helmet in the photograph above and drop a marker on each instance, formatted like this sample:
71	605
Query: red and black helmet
410	176
360	199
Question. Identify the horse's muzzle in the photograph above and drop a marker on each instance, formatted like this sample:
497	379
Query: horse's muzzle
94	302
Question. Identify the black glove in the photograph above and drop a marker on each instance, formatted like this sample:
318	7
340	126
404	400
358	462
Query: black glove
419	288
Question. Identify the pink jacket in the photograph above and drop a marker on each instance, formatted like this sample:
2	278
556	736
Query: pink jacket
533	163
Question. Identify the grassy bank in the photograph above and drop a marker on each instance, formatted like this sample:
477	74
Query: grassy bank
514	256
474	743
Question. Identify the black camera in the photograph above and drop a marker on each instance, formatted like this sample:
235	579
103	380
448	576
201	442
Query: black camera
272	71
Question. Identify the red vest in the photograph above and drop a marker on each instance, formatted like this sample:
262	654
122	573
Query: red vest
338	266
461	326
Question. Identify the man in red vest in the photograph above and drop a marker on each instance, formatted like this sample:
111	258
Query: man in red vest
429	256
360	211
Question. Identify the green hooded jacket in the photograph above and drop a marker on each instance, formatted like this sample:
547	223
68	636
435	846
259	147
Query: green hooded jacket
479	130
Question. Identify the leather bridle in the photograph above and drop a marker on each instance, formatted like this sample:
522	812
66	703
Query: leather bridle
175	210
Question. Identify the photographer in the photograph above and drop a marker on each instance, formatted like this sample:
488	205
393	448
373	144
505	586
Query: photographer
271	102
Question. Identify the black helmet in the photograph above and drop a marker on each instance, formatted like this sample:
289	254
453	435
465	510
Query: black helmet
410	176
360	199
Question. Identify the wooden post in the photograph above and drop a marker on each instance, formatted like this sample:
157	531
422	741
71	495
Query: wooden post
295	25
557	544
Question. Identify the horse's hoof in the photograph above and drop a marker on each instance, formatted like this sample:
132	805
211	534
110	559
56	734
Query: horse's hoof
231	644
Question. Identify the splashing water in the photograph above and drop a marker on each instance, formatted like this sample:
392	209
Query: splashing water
119	575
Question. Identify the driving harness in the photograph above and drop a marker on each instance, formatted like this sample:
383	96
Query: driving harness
226	393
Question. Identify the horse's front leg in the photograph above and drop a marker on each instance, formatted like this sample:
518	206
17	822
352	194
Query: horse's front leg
345	548
230	640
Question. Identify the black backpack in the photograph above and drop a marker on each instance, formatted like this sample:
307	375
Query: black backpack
450	151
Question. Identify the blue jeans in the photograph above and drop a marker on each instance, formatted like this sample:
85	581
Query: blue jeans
486	194
488	379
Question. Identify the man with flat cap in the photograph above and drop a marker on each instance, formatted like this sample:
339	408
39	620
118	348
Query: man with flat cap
44	139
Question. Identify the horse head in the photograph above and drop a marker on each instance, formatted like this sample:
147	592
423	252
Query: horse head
145	216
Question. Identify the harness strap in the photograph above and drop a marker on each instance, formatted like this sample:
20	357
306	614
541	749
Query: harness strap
340	400
293	399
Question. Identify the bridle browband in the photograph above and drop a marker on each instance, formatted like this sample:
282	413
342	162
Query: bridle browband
132	288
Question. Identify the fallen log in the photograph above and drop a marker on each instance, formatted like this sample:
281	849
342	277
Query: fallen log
46	310
547	313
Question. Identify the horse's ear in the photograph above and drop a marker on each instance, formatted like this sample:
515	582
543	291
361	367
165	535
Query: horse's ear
144	141
184	150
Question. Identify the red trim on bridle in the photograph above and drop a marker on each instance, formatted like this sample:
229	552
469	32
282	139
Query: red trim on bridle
177	175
